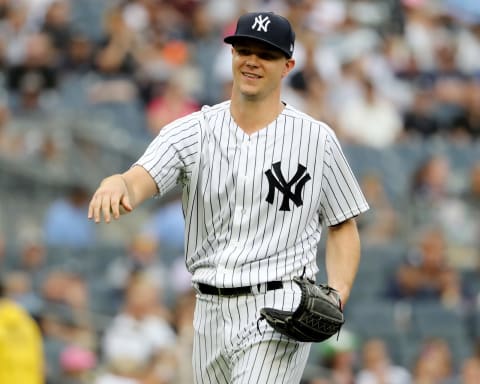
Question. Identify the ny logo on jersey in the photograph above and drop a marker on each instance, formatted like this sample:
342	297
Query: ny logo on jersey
261	23
277	180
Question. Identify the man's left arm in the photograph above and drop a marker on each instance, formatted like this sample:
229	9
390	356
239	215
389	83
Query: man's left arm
342	257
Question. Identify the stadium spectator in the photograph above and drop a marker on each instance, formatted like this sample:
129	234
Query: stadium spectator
419	120
143	257
121	40
437	199
139	334
346	88
430	190
162	49
422	24
203	37
114	63
378	368
450	91
112	83
14	32
34	75
470	371
21	355
54	286
66	294
371	120
18	287
463	211
56	24
78	55
32	260
340	357
171	104
434	363
426	274
65	223
307	88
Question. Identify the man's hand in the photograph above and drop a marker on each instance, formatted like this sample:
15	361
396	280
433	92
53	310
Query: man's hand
112	198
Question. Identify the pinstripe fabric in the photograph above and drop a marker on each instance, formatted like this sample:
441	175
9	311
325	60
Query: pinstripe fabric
254	214
228	347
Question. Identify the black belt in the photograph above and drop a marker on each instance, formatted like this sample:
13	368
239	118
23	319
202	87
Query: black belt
236	291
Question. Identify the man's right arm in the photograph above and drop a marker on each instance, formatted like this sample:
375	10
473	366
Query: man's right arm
121	193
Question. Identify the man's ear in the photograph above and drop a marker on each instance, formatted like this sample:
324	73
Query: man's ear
289	65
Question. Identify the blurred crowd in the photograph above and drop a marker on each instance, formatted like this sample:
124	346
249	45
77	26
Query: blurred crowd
383	74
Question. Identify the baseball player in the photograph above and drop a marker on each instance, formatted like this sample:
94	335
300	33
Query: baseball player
260	179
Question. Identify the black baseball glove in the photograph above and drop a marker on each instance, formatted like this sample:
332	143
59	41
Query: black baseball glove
317	318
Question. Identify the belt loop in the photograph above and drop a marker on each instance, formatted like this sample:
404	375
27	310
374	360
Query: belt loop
260	288
196	288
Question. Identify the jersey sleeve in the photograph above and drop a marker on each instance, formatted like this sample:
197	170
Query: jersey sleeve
342	197
171	156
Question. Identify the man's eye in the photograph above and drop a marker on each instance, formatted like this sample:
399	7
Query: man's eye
267	56
243	52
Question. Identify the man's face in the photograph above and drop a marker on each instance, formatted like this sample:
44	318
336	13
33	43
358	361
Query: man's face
258	68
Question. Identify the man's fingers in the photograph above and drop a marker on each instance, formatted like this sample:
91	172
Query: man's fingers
109	200
115	206
90	210
106	207
125	201
94	208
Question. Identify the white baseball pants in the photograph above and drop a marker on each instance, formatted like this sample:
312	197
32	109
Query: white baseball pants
231	348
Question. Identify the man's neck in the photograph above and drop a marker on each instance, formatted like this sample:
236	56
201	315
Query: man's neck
251	116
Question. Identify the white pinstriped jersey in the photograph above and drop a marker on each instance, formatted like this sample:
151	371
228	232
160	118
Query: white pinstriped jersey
256	212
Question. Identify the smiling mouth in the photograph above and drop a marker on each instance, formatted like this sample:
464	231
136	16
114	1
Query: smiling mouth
251	75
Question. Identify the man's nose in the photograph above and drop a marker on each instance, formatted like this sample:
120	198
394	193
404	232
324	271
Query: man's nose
252	60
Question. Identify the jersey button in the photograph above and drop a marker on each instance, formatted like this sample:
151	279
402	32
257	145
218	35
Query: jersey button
241	210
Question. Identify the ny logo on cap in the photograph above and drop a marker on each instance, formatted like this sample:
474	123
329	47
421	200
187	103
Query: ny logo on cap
261	23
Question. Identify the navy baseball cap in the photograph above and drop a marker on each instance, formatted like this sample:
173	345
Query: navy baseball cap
266	27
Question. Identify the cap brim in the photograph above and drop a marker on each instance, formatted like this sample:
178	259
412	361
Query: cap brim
235	38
